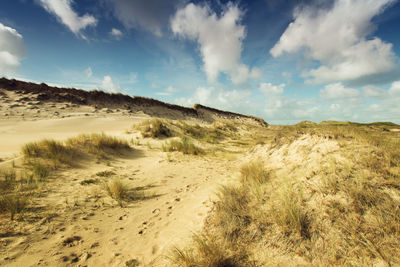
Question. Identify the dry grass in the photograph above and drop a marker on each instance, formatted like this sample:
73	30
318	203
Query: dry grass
343	211
206	253
288	211
117	190
154	128
98	144
40	171
7	179
211	134
47	149
254	172
40	160
183	145
14	203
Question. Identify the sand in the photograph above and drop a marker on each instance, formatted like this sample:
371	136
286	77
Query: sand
78	225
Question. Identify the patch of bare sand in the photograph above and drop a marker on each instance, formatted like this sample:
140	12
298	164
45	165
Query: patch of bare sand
178	199
78	224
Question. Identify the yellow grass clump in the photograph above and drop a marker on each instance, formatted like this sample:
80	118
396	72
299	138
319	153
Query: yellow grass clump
183	145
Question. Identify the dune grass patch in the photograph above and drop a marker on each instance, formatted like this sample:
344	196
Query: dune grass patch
254	172
206	253
42	158
14	203
49	150
343	211
98	144
154	128
183	145
212	134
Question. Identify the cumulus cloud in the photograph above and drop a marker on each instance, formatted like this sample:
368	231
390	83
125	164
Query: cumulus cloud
270	89
373	91
218	98
64	12
395	88
151	15
12	49
108	85
279	108
338	37
117	34
338	91
274	96
219	37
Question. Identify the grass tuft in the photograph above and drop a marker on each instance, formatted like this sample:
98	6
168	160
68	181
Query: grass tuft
47	149
117	190
207	253
98	144
254	172
183	145
14	203
289	213
154	128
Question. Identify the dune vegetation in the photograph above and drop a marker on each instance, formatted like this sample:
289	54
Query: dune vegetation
43	158
316	194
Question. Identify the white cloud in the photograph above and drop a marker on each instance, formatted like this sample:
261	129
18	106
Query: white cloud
168	91
338	91
220	39
395	88
218	98
64	12
108	85
279	107
151	15
89	72
12	50
373	91
171	89
117	34
274	96
270	89
338	39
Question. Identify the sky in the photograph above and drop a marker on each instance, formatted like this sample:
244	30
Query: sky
283	60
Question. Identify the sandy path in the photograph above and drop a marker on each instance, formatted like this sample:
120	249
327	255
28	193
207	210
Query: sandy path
180	196
144	230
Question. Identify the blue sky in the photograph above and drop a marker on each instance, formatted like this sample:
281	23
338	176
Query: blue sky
282	60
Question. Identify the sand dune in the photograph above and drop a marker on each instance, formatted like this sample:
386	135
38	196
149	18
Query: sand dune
153	175
78	224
